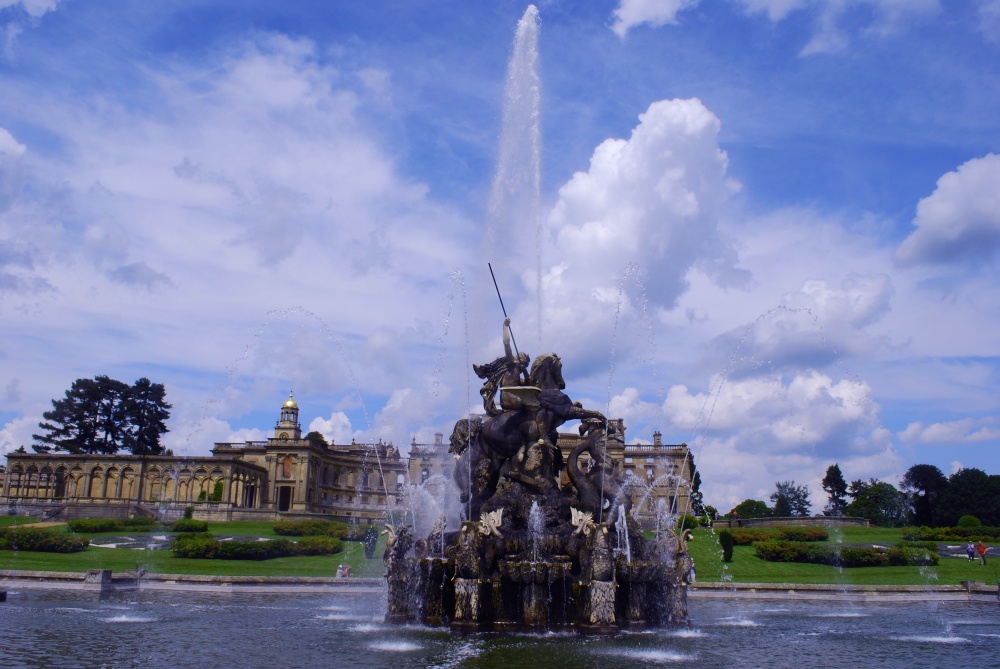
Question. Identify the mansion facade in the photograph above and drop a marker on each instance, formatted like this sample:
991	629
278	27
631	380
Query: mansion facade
289	475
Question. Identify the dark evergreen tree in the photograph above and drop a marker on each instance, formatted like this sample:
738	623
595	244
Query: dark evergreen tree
836	490
112	412
697	500
102	415
924	484
317	439
147	411
970	492
790	499
72	424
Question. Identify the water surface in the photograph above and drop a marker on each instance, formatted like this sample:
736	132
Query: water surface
49	628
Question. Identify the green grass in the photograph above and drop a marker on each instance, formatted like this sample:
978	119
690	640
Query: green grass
164	562
6	521
704	548
748	568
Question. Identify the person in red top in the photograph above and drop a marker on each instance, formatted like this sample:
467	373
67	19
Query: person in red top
981	549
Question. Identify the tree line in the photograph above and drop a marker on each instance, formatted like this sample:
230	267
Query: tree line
103	415
925	496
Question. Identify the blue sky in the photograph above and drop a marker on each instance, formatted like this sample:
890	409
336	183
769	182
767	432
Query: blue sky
767	228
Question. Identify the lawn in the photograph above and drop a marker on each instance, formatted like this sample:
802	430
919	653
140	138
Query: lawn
704	549
164	562
746	567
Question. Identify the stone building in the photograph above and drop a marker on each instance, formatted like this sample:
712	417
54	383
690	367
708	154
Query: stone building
288	474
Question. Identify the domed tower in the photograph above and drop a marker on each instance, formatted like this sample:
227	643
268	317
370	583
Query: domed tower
288	427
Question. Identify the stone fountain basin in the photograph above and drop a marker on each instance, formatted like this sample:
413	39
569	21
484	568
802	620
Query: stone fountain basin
527	571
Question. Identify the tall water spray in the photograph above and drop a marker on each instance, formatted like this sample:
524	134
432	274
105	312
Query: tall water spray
513	218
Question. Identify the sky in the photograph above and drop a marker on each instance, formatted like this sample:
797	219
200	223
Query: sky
768	229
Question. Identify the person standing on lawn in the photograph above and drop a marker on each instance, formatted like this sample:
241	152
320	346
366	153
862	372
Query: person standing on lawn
970	550
981	549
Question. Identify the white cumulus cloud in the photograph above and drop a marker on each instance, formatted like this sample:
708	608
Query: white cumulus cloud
960	221
963	431
631	13
336	429
651	202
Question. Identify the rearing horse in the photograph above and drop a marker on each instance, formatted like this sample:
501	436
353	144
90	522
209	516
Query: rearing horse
506	434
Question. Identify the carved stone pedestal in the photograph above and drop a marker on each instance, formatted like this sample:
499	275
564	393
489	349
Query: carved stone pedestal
468	605
598	608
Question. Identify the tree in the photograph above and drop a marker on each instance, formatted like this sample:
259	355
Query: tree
971	492
751	508
924	484
879	502
147	412
790	499
317	439
73	421
102	415
697	500
836	490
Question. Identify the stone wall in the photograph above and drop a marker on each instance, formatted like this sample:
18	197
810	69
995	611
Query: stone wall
794	521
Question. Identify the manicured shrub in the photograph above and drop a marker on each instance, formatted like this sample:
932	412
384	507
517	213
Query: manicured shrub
37	540
188	525
726	541
94	525
939	534
969	521
189	510
843	556
254	550
749	536
139	523
774	550
318	546
312	528
687	522
195	546
204	546
862	556
803	534
901	556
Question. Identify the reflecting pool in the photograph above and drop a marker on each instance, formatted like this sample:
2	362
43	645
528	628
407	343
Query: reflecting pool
48	628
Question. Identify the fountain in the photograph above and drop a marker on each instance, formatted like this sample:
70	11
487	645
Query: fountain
543	544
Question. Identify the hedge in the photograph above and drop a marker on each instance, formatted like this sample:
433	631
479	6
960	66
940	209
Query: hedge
188	525
963	534
844	555
37	540
203	546
803	534
312	528
748	537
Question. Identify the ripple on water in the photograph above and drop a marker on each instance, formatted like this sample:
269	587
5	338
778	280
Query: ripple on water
736	622
129	618
366	628
920	638
395	646
841	614
656	656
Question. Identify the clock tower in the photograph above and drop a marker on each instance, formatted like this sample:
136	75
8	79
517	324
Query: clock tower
288	427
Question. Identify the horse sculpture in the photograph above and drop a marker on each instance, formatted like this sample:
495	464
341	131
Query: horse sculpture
508	434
